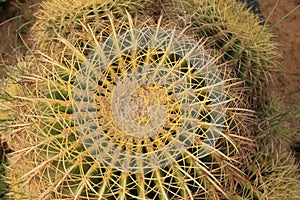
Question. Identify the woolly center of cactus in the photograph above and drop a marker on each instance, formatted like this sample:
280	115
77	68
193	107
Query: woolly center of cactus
145	96
142	113
144	102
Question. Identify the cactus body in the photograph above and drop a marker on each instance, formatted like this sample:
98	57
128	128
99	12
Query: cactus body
141	113
246	46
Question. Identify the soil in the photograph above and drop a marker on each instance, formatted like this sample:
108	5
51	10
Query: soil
288	36
17	18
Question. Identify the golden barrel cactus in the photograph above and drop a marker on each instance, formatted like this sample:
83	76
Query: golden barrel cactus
248	48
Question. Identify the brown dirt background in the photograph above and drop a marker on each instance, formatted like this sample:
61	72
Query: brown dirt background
288	37
14	33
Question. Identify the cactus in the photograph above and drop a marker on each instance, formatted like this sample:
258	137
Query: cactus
247	47
115	103
59	18
146	113
277	124
273	174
